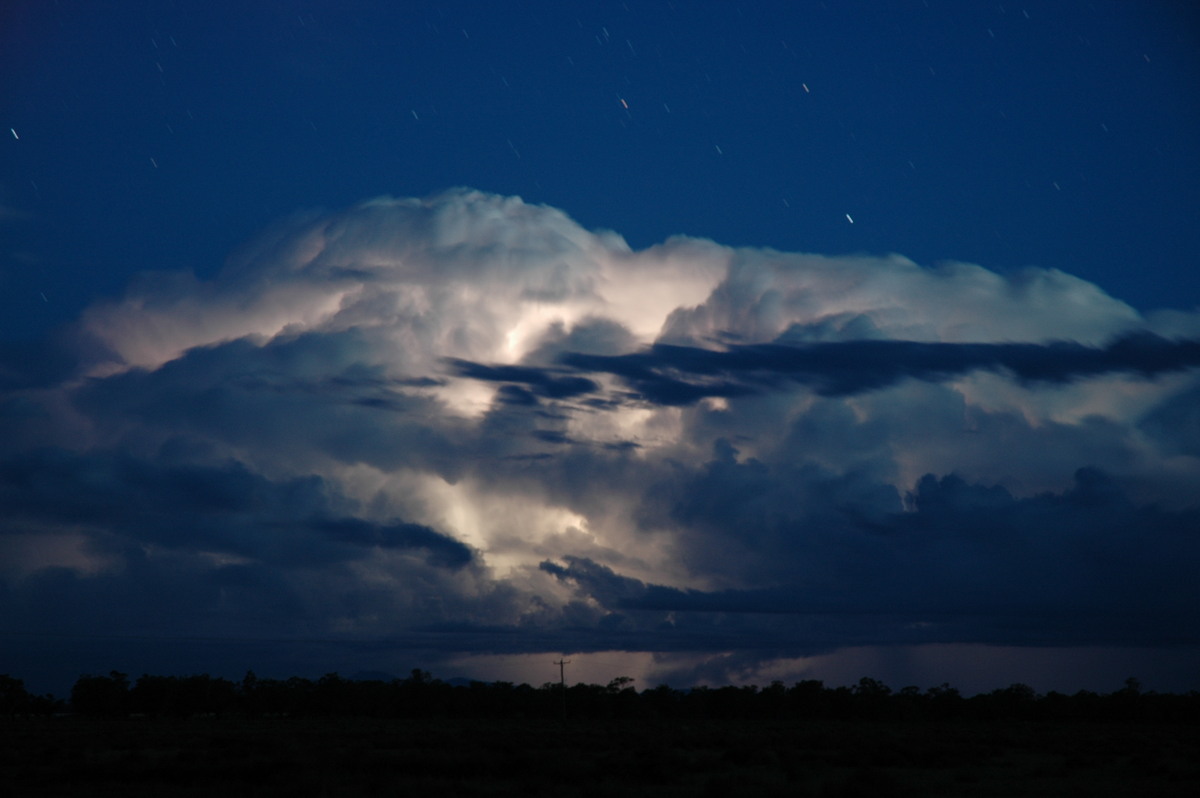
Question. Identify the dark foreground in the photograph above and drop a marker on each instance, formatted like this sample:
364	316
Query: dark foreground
233	756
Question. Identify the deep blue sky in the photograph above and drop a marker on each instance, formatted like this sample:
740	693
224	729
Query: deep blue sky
161	135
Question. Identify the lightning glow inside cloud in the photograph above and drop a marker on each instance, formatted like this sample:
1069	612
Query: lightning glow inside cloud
465	426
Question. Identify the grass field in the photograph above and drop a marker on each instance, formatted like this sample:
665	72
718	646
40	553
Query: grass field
130	757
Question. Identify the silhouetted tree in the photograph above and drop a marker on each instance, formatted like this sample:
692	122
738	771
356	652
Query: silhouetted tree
101	695
1015	701
422	696
14	700
871	698
944	702
661	701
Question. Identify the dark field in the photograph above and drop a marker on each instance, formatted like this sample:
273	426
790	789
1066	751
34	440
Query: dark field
239	756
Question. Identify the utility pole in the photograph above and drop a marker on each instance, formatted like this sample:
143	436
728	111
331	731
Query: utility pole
562	685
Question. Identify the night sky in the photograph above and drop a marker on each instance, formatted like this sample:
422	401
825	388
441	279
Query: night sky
703	342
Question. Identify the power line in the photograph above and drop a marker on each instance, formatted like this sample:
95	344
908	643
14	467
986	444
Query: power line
562	685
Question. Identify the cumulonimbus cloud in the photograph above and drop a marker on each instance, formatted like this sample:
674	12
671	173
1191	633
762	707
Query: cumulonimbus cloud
467	421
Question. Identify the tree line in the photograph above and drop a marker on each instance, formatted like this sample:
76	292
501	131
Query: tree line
422	696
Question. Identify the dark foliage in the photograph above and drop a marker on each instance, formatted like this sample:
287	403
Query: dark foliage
420	695
202	735
104	696
15	700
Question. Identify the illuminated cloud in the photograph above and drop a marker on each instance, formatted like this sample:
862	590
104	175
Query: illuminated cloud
463	425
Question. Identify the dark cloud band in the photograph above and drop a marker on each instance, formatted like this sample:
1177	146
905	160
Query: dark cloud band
680	375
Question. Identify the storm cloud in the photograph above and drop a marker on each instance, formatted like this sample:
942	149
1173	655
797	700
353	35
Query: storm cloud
464	425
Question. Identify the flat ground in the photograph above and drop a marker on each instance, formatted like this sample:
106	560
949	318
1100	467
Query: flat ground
133	757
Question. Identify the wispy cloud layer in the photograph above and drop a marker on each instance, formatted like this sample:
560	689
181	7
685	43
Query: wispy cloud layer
463	424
